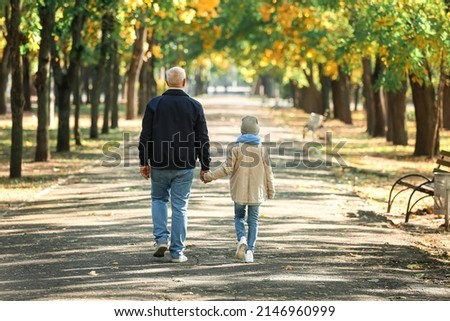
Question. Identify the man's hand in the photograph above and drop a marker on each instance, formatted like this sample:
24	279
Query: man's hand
145	171
202	175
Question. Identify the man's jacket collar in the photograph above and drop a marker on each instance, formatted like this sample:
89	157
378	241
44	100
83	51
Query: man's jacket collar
175	92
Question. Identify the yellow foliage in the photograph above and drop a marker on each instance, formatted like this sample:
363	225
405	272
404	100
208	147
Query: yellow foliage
248	74
311	54
321	59
204	8
128	34
266	10
209	36
383	51
187	16
137	4
331	69
286	14
219	60
385	21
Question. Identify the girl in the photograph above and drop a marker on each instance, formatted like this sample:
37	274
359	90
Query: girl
251	182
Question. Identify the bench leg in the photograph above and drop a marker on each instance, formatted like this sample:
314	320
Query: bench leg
410	206
397	182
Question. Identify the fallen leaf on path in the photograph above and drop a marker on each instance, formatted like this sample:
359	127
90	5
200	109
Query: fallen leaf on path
93	273
414	266
288	267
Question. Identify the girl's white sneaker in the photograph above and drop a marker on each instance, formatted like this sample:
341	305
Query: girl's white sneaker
248	257
241	249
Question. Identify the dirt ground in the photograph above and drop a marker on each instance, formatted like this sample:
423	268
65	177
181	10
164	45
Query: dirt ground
89	237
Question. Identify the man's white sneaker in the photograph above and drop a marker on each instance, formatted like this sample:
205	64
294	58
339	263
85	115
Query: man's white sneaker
180	259
248	257
241	249
160	249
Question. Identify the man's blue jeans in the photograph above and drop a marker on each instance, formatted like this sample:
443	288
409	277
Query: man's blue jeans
176	185
252	221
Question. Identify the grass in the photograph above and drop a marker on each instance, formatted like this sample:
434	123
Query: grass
374	163
39	175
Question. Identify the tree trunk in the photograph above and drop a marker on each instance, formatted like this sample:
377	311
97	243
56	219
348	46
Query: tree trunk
111	47
312	99
47	19
439	108
379	101
4	73
202	81
26	83
107	21
64	80
77	102
356	94
144	95
295	90
86	73
5	66
133	72
446	103
368	93
446	94
341	98
17	101
147	84
108	91
115	89
425	109
325	82
397	110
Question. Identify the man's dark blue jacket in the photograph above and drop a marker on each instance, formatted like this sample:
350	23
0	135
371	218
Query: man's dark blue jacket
174	132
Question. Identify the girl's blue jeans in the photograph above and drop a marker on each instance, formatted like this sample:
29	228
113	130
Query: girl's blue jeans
252	222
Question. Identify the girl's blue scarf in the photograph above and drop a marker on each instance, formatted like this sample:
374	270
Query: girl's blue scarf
249	139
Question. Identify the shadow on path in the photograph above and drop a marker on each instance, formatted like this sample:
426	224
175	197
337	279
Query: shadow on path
91	239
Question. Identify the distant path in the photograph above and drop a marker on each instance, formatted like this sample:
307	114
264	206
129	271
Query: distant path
91	238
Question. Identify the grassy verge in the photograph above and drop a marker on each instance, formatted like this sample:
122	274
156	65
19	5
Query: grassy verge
374	166
374	163
39	175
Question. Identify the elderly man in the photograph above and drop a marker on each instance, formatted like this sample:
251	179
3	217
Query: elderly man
174	135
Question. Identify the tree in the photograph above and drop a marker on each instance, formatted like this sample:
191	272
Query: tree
446	103
64	73
47	17
133	71
105	49
396	102
115	89
17	101
413	41
5	62
368	93
341	98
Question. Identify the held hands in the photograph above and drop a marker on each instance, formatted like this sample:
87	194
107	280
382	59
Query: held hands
204	178
145	171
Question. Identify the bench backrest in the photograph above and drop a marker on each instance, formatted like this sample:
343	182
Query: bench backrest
315	120
443	162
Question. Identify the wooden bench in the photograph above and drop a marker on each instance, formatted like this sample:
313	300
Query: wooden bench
315	122
418	184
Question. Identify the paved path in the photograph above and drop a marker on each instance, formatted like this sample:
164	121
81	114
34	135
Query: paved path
90	238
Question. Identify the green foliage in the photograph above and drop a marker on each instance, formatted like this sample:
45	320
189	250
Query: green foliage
284	38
